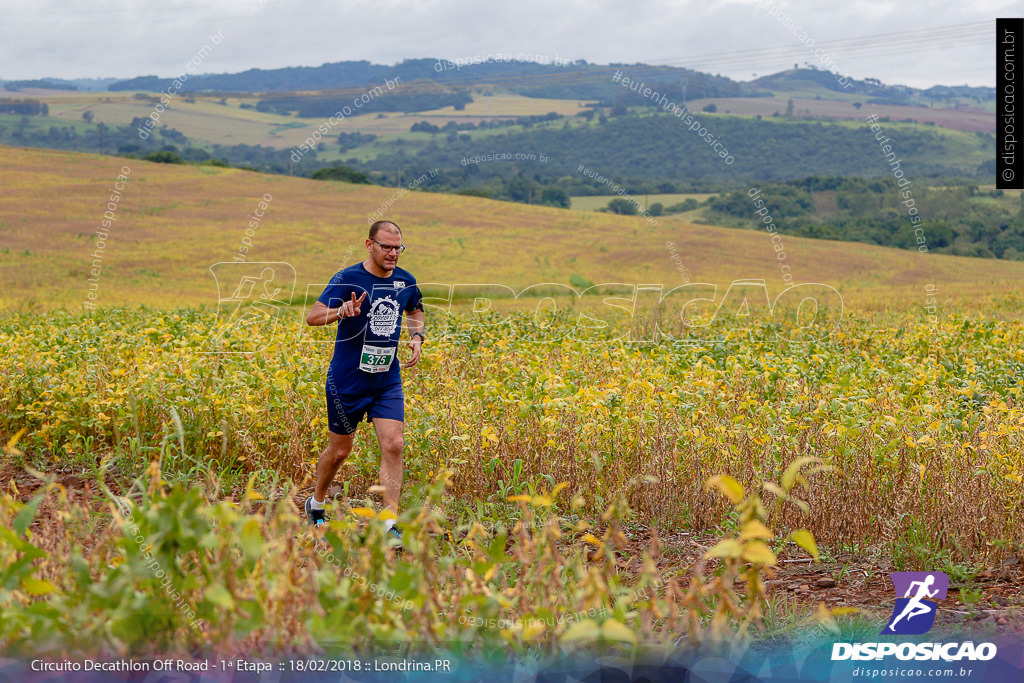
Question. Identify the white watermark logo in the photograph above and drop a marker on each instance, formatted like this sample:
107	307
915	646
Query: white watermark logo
153	119
680	112
310	143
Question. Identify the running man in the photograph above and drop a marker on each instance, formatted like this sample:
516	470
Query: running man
368	300
914	606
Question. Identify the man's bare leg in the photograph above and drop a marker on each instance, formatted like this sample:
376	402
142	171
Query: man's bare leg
337	450
391	436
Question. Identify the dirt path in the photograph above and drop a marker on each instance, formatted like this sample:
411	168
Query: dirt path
847	580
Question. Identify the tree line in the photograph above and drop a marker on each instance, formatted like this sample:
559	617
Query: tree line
960	220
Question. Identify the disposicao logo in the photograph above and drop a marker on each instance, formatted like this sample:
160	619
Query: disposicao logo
914	614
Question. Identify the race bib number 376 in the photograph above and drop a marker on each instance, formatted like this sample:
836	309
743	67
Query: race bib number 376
376	358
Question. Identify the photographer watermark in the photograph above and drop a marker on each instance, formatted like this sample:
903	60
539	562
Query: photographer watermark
606	312
504	156
617	189
531	622
153	565
198	58
443	65
389	202
787	21
250	299
761	210
255	218
1009	160
310	143
358	579
907	200
680	112
102	234
680	268
598	313
902	183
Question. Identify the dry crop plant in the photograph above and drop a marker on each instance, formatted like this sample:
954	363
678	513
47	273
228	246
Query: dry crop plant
169	571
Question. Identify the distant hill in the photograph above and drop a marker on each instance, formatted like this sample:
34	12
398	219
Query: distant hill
869	89
446	116
568	80
640	151
92	84
575	80
15	86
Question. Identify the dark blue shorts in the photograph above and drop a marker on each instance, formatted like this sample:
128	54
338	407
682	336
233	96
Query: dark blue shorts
345	411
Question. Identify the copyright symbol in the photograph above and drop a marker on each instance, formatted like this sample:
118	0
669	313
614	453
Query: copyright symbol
1007	174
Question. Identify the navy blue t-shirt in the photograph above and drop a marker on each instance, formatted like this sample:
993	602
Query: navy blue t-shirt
366	349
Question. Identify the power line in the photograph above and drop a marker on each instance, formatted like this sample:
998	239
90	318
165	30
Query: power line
975	34
881	44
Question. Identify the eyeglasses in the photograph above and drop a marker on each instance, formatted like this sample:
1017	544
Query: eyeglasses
389	247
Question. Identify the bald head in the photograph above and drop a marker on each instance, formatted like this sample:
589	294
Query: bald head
383	225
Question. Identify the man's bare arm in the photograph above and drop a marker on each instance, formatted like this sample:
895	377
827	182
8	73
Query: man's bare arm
321	315
414	321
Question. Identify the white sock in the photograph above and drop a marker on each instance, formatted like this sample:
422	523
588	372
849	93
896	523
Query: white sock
388	523
316	504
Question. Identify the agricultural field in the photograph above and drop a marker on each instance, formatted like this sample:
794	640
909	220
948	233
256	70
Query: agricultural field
206	120
486	104
592	462
967	118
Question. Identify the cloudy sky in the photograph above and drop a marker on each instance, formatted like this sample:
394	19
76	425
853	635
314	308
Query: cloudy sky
912	42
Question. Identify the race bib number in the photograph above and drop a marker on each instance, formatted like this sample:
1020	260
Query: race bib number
376	358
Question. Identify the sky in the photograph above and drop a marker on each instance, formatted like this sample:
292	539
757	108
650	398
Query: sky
918	43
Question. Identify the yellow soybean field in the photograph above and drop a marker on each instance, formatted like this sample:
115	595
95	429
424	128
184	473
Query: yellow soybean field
914	430
920	421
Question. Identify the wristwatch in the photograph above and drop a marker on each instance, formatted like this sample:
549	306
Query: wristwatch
418	334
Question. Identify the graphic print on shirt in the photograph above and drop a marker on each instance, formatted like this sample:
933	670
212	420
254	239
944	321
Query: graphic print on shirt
379	345
384	315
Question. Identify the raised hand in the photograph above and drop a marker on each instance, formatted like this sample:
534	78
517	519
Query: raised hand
352	308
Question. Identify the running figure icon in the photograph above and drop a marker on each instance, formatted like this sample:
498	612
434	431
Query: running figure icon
915	607
914	612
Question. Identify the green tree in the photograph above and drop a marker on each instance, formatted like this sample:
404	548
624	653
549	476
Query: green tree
342	173
165	157
623	207
555	196
523	189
